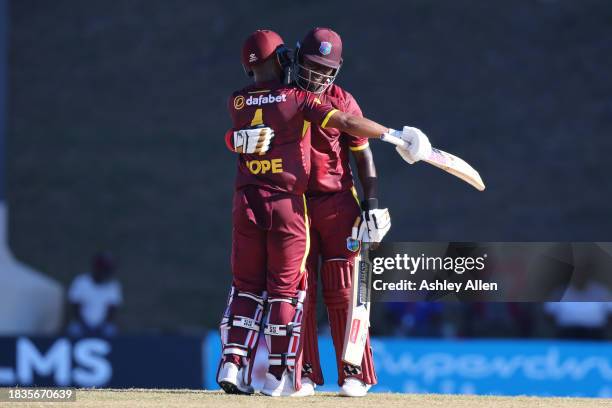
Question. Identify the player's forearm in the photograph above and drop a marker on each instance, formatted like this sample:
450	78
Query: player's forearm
355	125
366	171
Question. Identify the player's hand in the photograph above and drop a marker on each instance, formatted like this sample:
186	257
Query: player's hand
373	224
418	148
253	141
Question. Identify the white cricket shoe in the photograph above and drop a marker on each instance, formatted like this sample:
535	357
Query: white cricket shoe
354	387
284	387
308	388
230	379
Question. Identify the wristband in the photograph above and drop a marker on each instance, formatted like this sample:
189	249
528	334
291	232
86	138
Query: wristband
369	204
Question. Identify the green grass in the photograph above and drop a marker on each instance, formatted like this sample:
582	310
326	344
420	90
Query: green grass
188	398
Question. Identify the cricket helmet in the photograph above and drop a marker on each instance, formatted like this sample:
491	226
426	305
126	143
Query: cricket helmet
323	47
260	46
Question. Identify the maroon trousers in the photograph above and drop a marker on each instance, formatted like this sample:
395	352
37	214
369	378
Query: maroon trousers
269	248
332	217
269	241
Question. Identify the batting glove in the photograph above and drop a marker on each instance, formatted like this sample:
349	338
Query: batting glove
418	148
373	224
253	141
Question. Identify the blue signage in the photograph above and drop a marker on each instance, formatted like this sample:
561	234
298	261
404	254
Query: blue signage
121	362
482	367
490	367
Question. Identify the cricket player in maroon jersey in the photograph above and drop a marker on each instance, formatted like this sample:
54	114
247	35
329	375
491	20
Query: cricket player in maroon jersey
270	239
333	207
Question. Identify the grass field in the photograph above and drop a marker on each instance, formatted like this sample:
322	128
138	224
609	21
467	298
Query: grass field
191	398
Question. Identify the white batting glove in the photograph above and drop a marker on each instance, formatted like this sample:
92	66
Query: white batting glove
419	147
373	224
253	141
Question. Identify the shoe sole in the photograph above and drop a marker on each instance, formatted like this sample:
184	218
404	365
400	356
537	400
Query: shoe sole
351	396
344	394
293	395
269	394
230	388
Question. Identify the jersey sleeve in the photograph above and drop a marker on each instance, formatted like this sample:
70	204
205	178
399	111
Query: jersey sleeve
314	110
228	140
355	143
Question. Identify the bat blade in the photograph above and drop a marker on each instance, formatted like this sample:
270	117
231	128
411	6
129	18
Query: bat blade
358	321
445	161
455	166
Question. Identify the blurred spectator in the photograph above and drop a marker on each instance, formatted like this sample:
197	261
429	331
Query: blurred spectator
523	318
496	319
577	315
94	298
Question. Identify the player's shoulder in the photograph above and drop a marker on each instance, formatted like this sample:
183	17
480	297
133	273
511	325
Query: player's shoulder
297	91
339	92
341	95
300	96
267	89
236	98
242	91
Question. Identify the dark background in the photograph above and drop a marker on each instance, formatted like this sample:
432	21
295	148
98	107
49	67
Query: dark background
117	114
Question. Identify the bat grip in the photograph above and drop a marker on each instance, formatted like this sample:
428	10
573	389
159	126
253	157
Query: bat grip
386	137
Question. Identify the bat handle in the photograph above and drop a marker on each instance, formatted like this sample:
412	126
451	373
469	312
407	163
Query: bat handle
386	137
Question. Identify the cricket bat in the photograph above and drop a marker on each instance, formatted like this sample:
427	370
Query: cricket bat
447	162
358	319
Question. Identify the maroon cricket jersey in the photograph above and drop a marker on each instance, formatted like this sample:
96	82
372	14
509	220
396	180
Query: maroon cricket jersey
330	169
289	112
